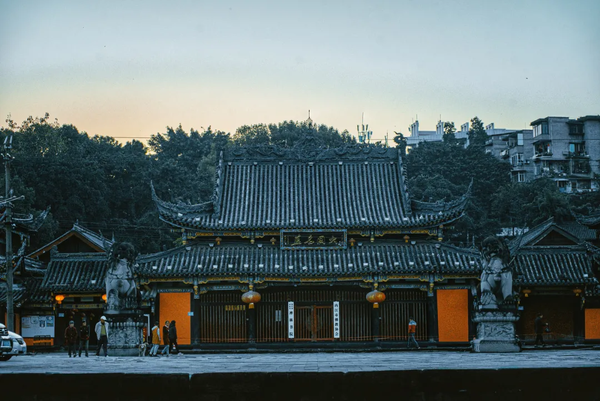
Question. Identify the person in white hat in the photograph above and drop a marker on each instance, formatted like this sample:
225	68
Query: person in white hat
102	334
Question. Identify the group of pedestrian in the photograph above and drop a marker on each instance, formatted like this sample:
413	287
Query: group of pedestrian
169	337
78	341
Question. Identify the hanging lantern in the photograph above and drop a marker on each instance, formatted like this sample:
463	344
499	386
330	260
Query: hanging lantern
375	297
104	297
251	297
59	298
526	292
577	291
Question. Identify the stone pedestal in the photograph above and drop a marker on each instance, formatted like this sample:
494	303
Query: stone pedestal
125	334
496	331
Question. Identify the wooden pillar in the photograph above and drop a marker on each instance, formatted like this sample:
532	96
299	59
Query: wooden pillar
195	324
578	323
375	323
432	315
251	318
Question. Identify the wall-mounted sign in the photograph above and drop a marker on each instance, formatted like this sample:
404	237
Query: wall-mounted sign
37	326
310	239
336	319
82	306
290	319
175	290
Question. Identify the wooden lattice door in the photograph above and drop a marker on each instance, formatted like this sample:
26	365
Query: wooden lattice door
314	323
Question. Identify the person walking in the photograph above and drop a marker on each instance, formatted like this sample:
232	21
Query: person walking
165	331
155	339
84	338
71	337
539	330
412	329
102	334
173	336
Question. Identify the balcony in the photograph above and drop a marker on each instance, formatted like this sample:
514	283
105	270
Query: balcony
541	155
579	155
541	138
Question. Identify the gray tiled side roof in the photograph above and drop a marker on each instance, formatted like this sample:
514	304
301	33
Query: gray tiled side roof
95	238
361	188
224	260
593	220
76	272
553	266
579	230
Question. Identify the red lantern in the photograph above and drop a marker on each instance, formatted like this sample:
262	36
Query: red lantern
251	297
375	297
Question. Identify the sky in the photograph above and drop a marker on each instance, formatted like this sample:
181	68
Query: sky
129	69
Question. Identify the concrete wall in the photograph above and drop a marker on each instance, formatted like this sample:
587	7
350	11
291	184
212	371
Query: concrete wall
423	385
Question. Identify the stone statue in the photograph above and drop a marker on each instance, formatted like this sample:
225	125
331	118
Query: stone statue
496	278
121	291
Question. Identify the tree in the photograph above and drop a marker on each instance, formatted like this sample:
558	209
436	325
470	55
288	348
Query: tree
477	134
445	170
449	133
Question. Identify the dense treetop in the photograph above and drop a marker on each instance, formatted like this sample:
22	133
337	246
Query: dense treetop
106	184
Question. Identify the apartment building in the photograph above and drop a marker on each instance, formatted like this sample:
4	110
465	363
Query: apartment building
516	148
567	151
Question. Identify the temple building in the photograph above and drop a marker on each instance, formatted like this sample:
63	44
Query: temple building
305	234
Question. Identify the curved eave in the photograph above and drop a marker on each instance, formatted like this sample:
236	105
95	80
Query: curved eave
171	208
427	221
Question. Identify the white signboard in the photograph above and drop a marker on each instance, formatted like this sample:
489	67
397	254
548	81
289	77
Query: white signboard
290	319
37	326
336	319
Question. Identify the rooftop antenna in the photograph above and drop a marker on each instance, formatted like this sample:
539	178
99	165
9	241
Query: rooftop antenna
364	135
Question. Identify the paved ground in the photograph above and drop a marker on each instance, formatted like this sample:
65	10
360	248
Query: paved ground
311	362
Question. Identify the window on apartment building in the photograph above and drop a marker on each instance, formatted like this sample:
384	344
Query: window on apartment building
575	129
562	186
577	148
544	128
520	177
517	159
519	139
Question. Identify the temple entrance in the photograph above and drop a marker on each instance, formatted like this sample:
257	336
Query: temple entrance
314	323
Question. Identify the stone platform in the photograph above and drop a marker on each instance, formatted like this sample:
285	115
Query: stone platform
418	375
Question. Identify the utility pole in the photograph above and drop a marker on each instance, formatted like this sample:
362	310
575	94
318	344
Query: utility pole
10	311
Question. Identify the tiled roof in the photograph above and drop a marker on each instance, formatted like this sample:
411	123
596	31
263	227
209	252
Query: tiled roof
541	230
593	220
96	240
29	291
553	266
579	230
22	222
76	272
224	260
274	188
35	292
19	293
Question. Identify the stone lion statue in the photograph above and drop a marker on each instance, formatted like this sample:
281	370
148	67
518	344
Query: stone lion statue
496	278
121	291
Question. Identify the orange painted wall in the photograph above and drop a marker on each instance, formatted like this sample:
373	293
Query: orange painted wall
453	315
592	324
175	306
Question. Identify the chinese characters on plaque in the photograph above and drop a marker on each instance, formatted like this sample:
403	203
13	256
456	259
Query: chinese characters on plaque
307	239
290	319
336	319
